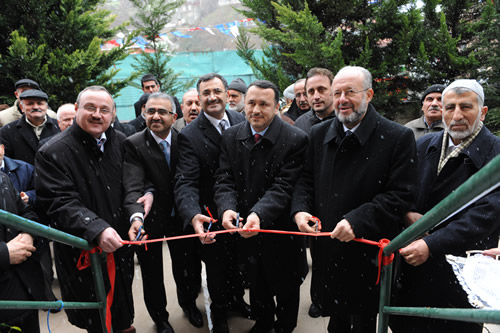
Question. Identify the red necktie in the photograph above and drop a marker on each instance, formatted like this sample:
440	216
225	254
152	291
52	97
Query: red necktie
257	137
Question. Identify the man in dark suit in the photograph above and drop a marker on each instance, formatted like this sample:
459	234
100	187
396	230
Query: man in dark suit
139	123
150	158
199	144
359	180
21	137
261	159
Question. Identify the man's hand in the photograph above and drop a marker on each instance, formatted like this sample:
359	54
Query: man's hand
253	222
19	250
228	219
416	253
134	229
109	240
147	201
24	197
412	217
343	231
197	221
303	221
492	252
26	238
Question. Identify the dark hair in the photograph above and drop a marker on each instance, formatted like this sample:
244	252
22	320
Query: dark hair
148	77
319	71
264	84
209	77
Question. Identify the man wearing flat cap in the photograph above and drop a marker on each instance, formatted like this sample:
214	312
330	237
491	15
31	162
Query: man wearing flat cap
431	107
236	95
15	112
21	137
445	161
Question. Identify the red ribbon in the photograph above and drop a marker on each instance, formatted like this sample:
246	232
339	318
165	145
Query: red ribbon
382	260
84	262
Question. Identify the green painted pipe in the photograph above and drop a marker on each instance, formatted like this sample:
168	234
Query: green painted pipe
469	315
482	180
48	305
37	229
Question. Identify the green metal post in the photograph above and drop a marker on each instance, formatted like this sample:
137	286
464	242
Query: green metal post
485	178
95	260
469	315
385	297
34	228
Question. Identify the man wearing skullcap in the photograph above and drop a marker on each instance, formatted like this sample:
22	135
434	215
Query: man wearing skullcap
445	161
236	95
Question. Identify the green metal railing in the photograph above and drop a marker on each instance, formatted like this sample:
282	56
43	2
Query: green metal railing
485	179
37	229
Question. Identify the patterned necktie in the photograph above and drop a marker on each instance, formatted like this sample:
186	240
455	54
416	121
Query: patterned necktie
100	144
222	125
164	147
257	137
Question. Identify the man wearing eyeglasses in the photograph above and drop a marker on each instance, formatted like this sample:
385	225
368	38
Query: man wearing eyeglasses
150	159
79	184
359	179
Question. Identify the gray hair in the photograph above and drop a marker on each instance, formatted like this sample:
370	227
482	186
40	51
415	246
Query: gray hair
367	76
161	95
64	106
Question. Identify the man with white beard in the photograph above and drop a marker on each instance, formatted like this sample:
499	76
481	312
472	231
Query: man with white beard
236	95
445	161
359	180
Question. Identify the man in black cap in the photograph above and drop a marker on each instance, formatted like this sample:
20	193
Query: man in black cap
21	137
236	95
15	111
431	121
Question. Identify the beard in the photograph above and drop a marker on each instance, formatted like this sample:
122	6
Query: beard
237	108
356	114
460	135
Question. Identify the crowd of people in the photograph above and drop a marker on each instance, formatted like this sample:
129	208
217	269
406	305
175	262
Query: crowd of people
226	157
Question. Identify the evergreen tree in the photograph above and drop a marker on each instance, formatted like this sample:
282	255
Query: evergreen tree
151	17
57	43
405	48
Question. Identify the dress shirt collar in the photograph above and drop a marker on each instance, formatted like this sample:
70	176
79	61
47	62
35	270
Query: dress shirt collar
215	122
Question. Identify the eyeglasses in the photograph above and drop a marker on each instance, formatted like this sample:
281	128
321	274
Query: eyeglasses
161	112
347	93
92	109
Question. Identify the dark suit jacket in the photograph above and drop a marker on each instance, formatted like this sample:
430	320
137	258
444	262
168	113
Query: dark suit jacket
20	140
199	143
260	177
138	123
126	129
145	166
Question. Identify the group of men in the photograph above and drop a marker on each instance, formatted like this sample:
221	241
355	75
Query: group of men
340	162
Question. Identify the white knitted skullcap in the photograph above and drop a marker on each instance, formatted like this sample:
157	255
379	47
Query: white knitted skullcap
471	85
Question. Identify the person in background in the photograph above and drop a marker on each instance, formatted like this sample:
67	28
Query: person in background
190	109
236	95
431	120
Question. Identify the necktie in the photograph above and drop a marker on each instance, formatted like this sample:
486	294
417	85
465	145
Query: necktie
164	147
257	137
100	144
348	132
222	125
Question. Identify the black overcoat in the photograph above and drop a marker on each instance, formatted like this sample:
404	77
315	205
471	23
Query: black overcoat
475	228
20	140
367	178
80	188
260	178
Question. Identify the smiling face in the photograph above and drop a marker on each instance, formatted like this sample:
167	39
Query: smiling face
350	98
157	120
94	112
213	97
260	107
462	114
35	110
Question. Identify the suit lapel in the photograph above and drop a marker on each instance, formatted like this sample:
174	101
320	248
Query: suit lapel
155	151
209	130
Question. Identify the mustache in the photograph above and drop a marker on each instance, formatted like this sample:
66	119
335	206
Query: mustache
459	122
434	108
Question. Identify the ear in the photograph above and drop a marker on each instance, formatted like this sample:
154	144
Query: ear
484	111
369	94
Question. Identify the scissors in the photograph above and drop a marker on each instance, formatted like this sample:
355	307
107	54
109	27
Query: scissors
237	222
210	224
139	236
